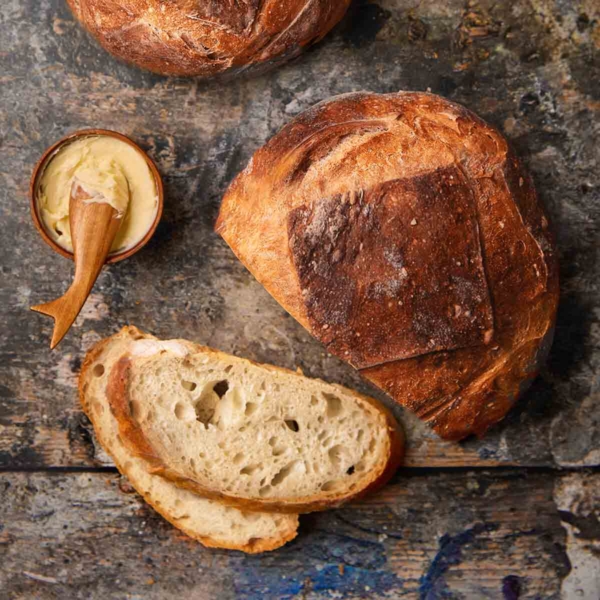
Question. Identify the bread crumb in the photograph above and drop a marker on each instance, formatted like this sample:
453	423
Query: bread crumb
413	222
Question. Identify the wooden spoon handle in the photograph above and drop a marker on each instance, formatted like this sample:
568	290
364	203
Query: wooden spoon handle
93	229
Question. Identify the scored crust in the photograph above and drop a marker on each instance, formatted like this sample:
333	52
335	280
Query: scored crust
207	37
139	443
284	533
403	233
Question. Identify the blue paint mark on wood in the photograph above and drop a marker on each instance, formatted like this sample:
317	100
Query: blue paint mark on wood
341	581
337	565
432	584
511	587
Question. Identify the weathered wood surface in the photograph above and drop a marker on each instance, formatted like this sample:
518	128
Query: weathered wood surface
458	535
531	68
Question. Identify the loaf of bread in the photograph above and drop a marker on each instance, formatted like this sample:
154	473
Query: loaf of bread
208	521
403	233
254	436
207	37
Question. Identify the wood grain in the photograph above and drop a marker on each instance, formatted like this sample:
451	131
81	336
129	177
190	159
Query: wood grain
524	69
453	535
531	68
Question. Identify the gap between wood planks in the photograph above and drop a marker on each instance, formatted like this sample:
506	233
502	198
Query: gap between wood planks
402	471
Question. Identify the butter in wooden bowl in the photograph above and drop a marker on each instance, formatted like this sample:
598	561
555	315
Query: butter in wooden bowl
110	168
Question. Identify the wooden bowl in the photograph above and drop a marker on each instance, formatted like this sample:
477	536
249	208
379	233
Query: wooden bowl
45	160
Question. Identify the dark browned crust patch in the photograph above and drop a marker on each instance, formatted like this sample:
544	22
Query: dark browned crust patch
378	281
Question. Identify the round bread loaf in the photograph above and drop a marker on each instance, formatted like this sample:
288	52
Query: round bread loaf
403	233
207	37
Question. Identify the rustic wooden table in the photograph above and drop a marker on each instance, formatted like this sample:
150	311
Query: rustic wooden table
514	515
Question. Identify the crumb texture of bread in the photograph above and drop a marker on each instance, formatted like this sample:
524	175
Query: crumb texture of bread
404	234
208	521
254	435
207	37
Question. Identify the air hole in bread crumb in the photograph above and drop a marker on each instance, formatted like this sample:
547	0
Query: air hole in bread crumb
99	408
98	370
335	454
85	388
350	470
251	408
264	490
238	458
334	405
220	388
283	473
228	368
292	424
250	516
204	411
249	469
329	486
135	409
360	434
190	386
279	450
314	401
184	412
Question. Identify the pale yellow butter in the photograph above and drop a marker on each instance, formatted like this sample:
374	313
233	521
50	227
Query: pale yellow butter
109	170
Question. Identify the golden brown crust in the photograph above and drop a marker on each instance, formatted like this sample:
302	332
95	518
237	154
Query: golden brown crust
207	37
402	232
138	444
254	546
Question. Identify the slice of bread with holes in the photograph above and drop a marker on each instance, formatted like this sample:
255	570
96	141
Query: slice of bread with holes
251	435
209	521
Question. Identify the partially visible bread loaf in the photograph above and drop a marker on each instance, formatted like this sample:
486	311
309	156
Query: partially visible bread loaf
207	37
252	435
403	233
208	521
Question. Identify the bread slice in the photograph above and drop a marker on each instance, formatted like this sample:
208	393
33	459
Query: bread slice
208	521
252	435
